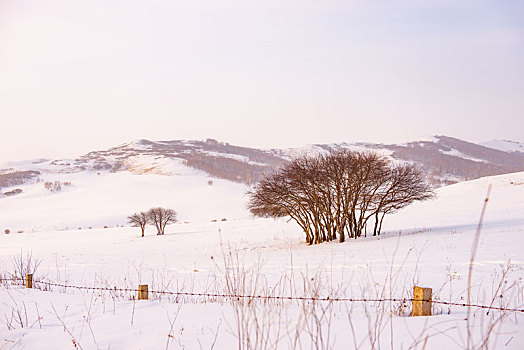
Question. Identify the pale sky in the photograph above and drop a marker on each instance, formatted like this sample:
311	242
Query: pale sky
82	75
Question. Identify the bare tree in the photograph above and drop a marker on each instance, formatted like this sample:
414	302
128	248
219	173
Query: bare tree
139	220
338	193
287	193
161	217
405	185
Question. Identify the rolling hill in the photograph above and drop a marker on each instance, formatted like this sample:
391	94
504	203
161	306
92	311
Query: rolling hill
203	180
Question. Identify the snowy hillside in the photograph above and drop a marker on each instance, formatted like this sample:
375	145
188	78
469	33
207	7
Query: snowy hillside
446	160
505	145
94	200
102	188
263	257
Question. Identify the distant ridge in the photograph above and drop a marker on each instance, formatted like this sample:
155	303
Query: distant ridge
446	159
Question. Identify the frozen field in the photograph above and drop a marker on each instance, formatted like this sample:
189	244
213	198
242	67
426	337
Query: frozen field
428	244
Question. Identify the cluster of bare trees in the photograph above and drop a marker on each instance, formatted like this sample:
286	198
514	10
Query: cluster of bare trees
15	178
55	186
227	168
338	193
160	217
12	192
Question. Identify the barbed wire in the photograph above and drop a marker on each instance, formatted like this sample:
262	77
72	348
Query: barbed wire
266	297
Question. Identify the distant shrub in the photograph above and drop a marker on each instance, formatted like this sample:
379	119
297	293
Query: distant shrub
161	217
56	185
18	178
139	220
13	192
210	182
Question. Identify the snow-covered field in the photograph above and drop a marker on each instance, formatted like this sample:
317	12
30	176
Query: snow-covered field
107	199
427	244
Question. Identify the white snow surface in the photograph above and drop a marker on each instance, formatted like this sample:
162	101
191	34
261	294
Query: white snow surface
505	145
319	149
106	199
456	153
427	244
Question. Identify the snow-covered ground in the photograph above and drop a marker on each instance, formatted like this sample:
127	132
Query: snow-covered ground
427	244
504	145
108	198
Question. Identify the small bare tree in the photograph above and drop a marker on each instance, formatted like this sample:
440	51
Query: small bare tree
139	220
161	217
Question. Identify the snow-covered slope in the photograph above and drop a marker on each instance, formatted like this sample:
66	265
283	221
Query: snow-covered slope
504	145
446	160
433	250
104	187
106	199
460	204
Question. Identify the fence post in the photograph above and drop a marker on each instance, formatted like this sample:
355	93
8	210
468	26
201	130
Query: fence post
143	292
29	280
421	301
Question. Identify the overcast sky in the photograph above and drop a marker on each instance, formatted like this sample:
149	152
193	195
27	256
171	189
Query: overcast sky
81	75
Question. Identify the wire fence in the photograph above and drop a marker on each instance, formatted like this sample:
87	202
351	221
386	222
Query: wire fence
264	297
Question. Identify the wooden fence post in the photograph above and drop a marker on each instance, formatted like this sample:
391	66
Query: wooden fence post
143	292
29	280
421	301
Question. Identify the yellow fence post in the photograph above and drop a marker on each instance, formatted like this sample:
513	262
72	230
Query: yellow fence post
143	293
421	301
29	280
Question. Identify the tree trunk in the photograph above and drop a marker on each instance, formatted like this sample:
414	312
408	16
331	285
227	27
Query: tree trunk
375	232
380	226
